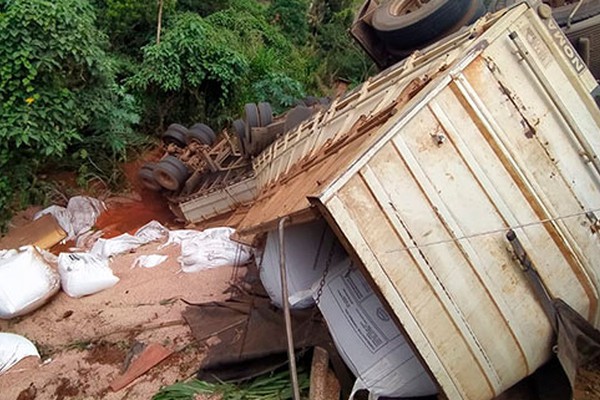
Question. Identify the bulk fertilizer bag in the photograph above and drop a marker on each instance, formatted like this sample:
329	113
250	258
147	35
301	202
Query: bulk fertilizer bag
82	274
14	348
26	281
210	248
368	339
307	250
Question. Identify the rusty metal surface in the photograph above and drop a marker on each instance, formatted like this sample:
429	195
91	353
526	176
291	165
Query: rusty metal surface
422	197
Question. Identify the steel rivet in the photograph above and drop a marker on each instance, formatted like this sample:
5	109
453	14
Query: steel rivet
544	11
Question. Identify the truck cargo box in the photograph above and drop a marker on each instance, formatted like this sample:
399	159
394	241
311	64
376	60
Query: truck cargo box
423	169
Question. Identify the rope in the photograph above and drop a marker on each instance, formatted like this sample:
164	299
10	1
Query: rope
494	231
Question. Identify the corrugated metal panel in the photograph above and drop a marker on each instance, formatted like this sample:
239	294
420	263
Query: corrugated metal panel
219	201
426	210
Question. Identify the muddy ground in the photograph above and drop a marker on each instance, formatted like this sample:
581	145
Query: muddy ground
86	343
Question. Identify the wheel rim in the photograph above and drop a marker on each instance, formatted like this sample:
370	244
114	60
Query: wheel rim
146	176
175	137
175	162
404	7
166	180
200	137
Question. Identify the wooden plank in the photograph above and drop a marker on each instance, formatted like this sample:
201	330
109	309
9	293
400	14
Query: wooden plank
44	232
151	356
322	387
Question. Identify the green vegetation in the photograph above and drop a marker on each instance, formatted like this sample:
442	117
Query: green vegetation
267	387
83	83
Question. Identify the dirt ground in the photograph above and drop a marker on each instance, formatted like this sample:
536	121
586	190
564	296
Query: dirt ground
85	342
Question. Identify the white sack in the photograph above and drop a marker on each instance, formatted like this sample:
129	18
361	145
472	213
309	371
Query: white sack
368	339
13	348
149	261
84	212
179	235
153	231
62	217
105	248
26	282
307	247
86	240
82	274
79	216
211	248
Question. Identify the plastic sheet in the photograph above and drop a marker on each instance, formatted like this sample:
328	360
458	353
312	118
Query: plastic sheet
152	231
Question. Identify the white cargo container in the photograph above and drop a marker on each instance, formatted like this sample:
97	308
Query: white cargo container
423	169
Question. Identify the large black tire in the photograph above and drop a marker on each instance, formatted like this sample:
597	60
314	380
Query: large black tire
252	118
423	25
202	133
176	134
324	101
146	176
170	173
295	117
206	129
588	9
177	163
251	115
479	10
239	126
265	113
311	101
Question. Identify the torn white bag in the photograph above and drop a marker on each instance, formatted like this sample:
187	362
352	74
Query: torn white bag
78	217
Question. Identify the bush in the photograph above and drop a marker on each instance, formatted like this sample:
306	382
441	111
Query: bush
57	88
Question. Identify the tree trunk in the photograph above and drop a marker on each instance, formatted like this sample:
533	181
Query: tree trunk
159	23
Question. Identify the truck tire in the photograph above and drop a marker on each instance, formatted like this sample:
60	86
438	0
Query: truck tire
252	119
251	115
177	163
202	133
479	10
420	26
265	113
311	101
176	134
588	9
295	117
239	126
170	173
146	177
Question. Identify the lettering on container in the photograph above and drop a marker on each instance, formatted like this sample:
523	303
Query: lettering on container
565	46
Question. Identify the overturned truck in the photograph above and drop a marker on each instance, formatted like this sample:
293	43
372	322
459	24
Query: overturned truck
422	170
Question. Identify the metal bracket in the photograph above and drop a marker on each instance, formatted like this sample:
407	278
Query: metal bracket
595	223
575	9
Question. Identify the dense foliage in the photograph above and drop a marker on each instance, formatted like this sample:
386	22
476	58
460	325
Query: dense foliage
82	82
